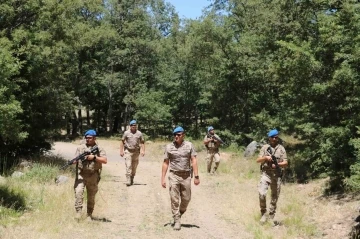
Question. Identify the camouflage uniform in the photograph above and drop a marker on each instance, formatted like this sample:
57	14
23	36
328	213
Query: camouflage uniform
179	176
212	155
87	175
270	176
132	143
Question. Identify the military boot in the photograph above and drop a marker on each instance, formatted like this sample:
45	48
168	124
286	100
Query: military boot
271	216
78	213
177	224
209	171
263	218
89	214
78	216
214	170
132	180
128	181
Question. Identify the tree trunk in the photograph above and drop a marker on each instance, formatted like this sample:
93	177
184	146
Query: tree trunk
80	120
68	124
115	125
88	117
110	111
75	124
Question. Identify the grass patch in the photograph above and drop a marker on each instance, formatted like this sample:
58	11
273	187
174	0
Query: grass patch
40	173
13	202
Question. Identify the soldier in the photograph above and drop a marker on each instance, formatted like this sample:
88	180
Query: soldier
132	145
88	175
181	156
271	175
212	146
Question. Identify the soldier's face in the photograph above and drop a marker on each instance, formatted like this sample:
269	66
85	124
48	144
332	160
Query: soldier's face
179	137
133	127
274	139
90	140
211	131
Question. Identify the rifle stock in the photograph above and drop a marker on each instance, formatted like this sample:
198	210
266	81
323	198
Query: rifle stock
80	157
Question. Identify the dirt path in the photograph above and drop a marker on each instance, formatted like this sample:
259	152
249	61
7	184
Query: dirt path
143	210
222	206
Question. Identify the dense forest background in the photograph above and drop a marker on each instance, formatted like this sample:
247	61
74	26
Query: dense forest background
244	67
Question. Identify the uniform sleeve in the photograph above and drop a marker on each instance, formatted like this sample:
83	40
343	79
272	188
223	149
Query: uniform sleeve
262	151
283	156
166	153
124	136
102	152
193	151
205	138
142	140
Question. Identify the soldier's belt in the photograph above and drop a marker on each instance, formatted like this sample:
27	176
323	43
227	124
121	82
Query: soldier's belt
180	172
212	149
133	150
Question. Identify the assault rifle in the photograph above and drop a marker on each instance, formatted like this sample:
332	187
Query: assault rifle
278	169
216	138
81	157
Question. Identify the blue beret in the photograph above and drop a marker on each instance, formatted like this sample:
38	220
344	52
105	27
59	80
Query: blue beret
90	132
210	128
132	122
273	133
178	129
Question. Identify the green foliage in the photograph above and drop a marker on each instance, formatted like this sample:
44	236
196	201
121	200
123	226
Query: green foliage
149	107
12	198
290	65
40	173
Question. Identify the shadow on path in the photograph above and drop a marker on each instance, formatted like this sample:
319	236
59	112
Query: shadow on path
101	219
182	225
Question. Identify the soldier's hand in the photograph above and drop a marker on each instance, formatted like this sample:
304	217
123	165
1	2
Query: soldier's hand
163	183
142	154
122	154
268	158
196	181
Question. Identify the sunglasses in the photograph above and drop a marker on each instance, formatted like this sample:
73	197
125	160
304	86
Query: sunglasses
177	135
275	137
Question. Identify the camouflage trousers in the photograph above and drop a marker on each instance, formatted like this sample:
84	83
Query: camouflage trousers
180	192
271	179
212	156
90	182
131	162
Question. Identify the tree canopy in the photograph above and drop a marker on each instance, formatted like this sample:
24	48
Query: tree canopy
243	67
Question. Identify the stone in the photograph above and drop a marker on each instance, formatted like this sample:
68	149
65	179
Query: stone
61	179
17	174
251	149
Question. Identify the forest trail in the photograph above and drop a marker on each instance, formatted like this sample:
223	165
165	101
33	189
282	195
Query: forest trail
143	210
222	206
